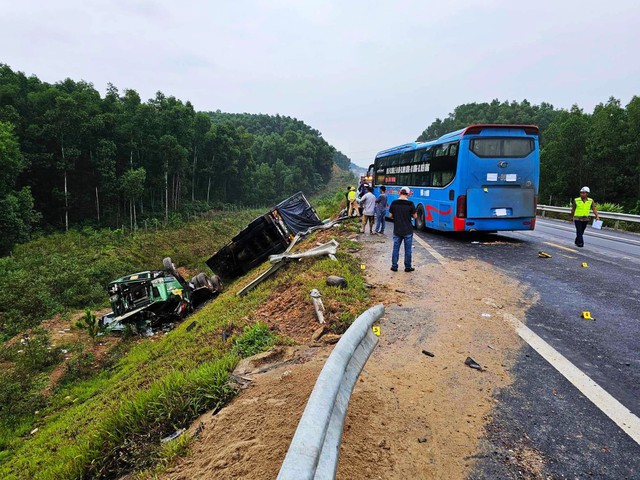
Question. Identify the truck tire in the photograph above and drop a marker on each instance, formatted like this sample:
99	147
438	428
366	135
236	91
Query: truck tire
217	283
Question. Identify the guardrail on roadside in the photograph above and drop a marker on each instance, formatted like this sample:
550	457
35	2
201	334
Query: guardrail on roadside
625	217
314	450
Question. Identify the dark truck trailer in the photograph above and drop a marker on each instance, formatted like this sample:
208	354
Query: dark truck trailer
269	234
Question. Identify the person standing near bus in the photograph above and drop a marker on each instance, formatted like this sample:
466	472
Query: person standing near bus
381	210
368	205
353	205
580	208
401	212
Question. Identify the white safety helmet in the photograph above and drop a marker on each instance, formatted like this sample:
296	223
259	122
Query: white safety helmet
585	189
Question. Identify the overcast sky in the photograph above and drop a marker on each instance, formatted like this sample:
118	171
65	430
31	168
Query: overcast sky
367	76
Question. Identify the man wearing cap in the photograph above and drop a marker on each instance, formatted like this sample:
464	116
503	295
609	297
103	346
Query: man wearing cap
580	208
402	211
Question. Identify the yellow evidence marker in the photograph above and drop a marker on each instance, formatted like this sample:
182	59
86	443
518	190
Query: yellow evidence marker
376	330
585	265
362	266
587	316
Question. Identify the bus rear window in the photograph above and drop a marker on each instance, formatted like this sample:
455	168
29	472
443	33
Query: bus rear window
502	147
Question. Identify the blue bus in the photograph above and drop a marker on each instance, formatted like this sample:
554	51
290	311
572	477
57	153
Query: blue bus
480	178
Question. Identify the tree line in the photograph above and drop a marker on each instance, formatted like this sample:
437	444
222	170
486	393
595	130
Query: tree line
70	156
599	149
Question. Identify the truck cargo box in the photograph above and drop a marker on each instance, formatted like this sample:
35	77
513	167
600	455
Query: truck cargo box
266	235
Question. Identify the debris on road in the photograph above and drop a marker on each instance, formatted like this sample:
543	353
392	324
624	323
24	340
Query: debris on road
473	364
427	353
173	436
542	254
422	440
486	315
318	306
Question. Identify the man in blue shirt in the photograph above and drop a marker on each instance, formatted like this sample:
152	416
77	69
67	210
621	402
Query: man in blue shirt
381	210
402	211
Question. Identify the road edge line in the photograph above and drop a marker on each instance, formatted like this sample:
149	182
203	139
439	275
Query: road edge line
606	403
441	260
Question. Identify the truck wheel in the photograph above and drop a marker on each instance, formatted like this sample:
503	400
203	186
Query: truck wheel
217	283
169	267
197	282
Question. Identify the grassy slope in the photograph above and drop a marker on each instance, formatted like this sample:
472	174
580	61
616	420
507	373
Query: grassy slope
112	422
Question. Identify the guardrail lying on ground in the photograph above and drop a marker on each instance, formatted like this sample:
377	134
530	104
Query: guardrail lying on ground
625	217
314	450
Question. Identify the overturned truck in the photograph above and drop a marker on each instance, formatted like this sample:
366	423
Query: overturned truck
269	234
151	298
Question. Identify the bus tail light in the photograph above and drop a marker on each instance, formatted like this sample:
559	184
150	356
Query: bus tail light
461	207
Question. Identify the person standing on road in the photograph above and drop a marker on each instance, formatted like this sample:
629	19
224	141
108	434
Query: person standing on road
362	191
368	205
353	205
401	212
580	208
381	210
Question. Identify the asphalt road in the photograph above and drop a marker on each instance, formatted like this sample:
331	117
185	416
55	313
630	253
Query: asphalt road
543	416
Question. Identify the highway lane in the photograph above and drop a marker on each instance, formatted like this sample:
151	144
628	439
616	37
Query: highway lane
542	410
621	245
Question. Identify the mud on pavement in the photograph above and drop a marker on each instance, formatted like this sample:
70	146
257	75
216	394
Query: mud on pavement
411	415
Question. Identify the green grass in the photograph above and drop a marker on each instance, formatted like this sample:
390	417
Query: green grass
111	423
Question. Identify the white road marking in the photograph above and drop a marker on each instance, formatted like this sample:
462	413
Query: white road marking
612	408
431	250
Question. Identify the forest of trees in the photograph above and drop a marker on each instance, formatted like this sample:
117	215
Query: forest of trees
70	157
601	149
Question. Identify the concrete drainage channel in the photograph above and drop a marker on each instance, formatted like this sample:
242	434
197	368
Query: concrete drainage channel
314	450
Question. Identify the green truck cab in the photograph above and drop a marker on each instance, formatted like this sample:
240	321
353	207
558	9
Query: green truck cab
155	297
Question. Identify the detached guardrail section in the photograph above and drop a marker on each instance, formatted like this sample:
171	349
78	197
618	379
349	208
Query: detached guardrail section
625	217
314	450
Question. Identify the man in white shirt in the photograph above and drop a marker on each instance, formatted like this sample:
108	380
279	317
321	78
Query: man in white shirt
368	205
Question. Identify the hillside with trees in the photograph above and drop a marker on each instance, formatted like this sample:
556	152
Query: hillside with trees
601	149
71	157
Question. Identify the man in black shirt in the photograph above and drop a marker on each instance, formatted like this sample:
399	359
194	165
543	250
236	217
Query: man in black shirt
402	211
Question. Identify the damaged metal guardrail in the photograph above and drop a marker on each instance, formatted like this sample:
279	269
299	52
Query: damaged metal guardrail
279	260
625	217
314	450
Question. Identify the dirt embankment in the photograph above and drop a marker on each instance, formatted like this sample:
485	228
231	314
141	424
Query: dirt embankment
411	415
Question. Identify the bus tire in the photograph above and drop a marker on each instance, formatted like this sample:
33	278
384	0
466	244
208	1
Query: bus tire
420	226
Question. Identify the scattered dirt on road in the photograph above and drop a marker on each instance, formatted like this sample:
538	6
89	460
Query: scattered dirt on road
411	415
